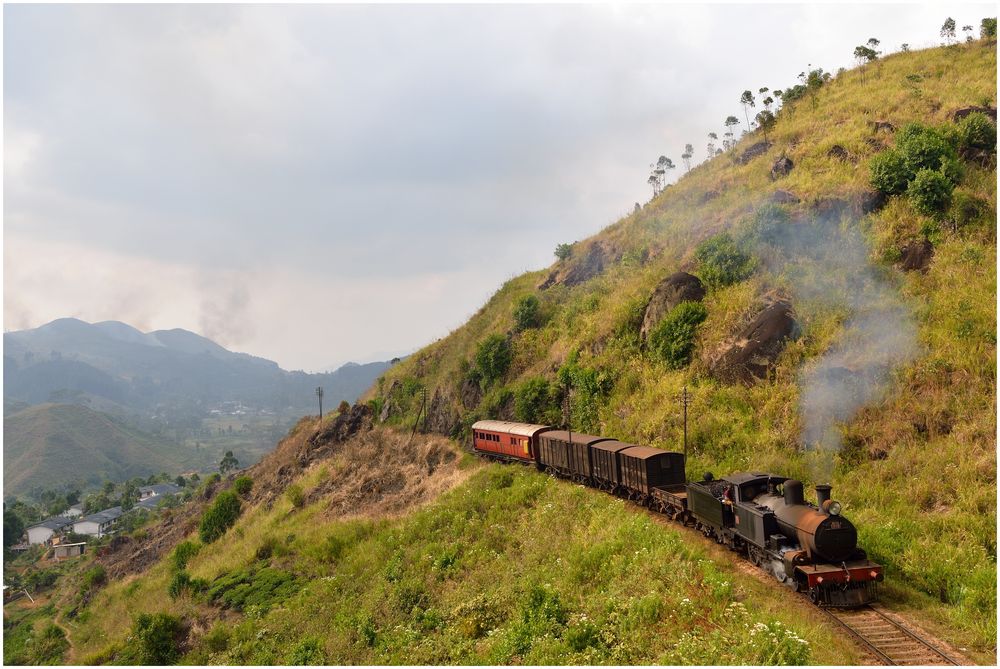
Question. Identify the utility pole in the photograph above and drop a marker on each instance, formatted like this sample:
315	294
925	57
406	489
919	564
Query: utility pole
319	394
685	402
568	410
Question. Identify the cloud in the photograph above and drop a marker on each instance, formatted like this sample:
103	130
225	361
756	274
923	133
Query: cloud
347	146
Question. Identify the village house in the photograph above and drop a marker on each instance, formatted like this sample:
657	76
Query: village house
157	490
62	551
98	524
74	511
42	533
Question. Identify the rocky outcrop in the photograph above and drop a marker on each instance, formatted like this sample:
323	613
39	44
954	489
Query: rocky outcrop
837	152
959	114
916	256
596	256
676	288
883	126
871	201
753	351
782	167
442	417
389	405
470	394
758	149
346	425
784	197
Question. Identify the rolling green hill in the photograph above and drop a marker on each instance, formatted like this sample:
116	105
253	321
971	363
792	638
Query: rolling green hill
52	445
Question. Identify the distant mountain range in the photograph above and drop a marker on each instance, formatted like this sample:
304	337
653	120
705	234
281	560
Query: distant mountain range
115	362
87	402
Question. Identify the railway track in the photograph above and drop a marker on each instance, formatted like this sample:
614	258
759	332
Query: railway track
890	642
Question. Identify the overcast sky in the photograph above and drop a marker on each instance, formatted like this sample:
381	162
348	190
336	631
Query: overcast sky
318	184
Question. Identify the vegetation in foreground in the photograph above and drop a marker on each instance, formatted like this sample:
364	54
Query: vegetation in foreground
511	566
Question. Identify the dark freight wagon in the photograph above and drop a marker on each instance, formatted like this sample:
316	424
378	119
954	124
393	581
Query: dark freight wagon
605	468
644	468
566	453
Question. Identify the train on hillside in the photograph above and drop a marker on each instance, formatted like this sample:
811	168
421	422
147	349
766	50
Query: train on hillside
809	546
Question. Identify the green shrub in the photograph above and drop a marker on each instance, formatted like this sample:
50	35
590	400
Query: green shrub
722	261
672	340
564	251
93	578
309	651
930	192
889	173
988	28
537	401
590	390
219	517
180	582
493	357
295	495
183	552
527	313
967	208
261	588
242	485
155	639
925	148
976	131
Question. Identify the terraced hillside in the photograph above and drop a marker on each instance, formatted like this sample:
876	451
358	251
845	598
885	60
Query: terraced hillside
845	333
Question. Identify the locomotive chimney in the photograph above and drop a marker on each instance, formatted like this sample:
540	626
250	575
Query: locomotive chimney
793	492
822	494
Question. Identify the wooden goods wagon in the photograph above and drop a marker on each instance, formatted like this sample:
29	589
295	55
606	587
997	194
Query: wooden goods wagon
644	468
567	453
605	465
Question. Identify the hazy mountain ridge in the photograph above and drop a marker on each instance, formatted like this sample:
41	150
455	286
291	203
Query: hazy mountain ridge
141	370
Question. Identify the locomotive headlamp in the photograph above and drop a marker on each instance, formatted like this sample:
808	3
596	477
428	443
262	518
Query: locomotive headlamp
834	508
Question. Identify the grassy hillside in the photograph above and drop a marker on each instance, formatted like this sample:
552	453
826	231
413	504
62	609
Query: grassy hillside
51	445
419	554
917	466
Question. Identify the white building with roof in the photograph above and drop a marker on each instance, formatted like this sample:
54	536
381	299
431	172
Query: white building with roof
98	524
43	532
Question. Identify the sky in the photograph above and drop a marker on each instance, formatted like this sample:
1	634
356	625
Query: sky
318	184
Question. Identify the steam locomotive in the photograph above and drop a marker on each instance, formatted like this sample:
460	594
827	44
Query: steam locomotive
810	547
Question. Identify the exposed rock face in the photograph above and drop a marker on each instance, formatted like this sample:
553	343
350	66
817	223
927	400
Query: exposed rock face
758	149
442	417
595	257
837	152
784	197
916	256
346	425
883	126
959	114
755	348
782	167
871	201
831	207
389	406
676	288
470	394
708	196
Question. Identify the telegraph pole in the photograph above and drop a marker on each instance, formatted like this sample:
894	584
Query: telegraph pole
568	410
319	394
685	402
